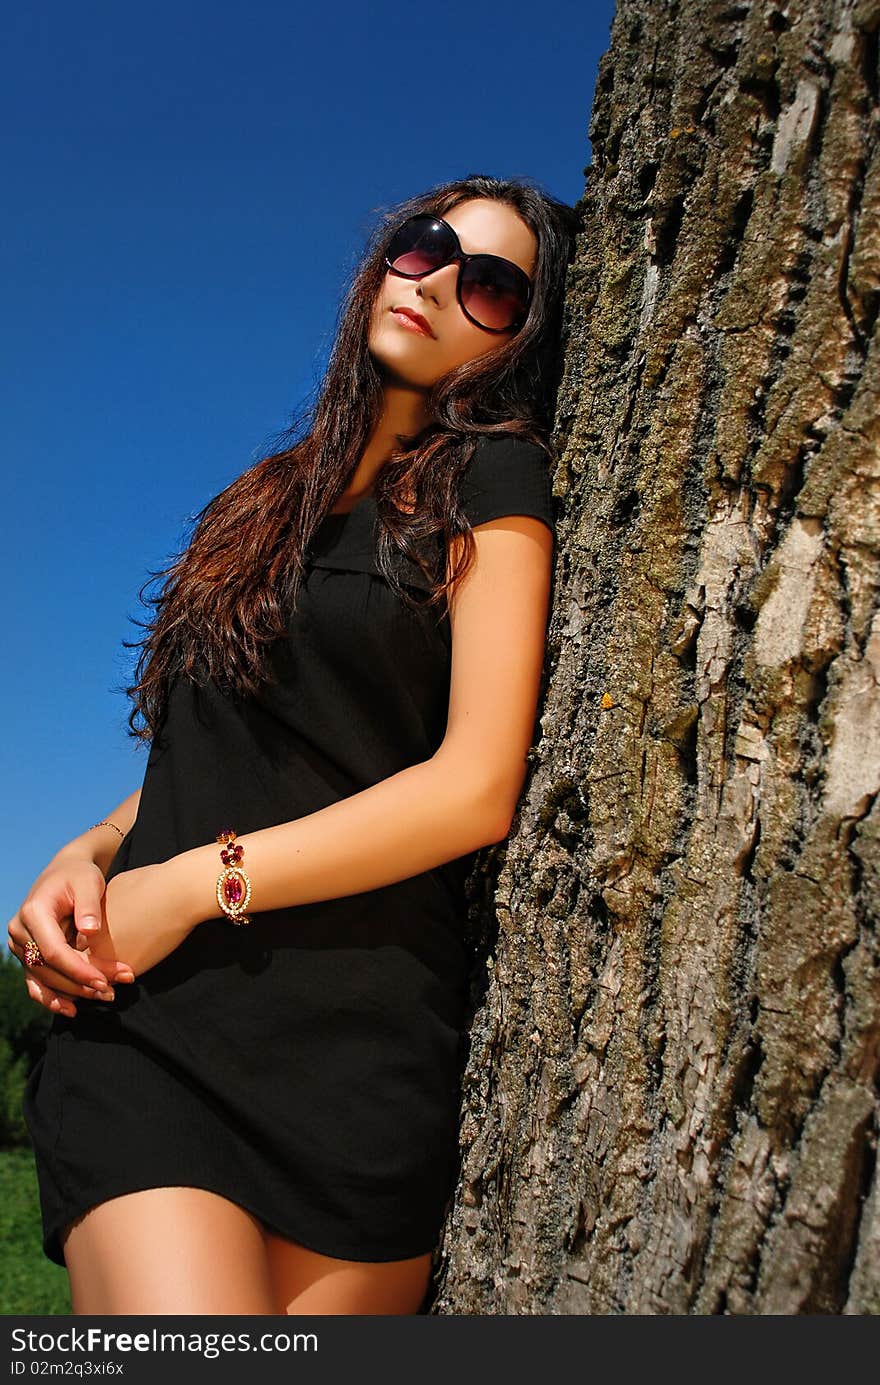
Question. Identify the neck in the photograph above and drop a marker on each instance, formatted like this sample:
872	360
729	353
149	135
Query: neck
403	414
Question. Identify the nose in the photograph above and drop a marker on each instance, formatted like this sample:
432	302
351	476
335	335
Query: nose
439	285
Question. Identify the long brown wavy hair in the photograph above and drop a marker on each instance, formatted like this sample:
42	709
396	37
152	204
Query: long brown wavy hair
250	543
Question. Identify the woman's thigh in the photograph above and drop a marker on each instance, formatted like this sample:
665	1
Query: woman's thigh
168	1250
306	1282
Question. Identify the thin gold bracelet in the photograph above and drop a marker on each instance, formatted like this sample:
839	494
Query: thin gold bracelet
105	822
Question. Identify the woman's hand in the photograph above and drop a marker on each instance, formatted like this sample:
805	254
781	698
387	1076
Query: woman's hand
64	906
142	918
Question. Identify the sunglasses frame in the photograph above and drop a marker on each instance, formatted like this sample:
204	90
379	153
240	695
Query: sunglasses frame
461	258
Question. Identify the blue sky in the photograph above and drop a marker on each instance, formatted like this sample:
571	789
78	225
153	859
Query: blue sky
187	188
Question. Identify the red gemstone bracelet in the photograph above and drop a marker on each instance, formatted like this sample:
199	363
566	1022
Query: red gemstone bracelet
233	886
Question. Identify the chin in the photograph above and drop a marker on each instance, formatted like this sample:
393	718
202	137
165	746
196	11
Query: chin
397	371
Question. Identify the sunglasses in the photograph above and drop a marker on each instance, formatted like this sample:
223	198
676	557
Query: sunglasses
493	293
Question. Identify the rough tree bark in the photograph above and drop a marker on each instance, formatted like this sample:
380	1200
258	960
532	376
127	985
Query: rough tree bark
671	1097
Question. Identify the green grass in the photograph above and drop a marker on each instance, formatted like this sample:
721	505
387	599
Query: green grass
29	1282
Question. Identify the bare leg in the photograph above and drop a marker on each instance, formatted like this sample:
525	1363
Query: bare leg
306	1282
168	1250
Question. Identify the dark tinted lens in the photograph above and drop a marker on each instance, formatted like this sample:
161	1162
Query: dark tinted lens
420	246
493	292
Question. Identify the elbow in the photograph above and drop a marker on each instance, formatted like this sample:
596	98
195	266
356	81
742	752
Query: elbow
488	805
496	815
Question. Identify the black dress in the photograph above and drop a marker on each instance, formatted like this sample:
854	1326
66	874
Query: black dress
307	1066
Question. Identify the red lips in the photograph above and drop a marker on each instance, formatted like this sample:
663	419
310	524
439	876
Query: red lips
421	322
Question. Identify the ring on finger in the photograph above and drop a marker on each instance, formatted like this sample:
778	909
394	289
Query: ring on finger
33	957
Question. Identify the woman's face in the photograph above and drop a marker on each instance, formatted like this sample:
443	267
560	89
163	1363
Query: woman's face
410	357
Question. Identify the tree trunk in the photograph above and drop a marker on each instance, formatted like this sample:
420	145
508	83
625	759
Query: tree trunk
671	1096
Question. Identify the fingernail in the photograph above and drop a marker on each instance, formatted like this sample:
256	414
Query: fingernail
88	925
125	976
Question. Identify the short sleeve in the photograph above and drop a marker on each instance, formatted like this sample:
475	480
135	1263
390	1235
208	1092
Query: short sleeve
507	476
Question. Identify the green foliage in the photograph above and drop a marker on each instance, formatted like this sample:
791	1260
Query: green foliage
24	1023
13	1072
23	1029
29	1282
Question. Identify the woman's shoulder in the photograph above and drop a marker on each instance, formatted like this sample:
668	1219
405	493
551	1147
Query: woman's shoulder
507	475
497	447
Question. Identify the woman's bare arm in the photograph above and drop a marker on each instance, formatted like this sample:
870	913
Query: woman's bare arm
100	844
66	898
463	798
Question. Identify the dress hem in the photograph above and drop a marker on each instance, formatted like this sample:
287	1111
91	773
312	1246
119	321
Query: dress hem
52	1248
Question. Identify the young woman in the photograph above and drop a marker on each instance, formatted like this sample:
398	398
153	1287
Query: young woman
339	689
